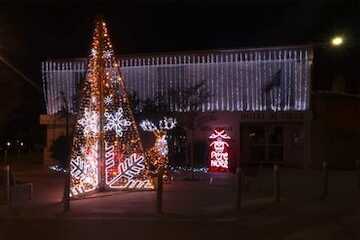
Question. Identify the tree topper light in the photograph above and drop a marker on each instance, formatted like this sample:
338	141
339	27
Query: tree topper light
219	156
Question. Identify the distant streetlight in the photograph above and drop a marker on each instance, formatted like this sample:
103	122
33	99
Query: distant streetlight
337	41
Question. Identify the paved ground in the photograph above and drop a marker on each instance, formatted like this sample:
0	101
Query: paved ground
193	210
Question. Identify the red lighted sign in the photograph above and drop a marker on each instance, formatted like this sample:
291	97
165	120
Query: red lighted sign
219	151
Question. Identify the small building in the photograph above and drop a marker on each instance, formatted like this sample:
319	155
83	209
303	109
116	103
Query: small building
260	97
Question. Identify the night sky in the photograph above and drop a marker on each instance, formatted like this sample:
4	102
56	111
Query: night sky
41	30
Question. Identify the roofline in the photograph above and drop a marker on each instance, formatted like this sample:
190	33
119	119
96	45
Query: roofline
200	52
335	93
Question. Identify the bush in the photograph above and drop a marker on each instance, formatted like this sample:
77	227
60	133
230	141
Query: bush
59	151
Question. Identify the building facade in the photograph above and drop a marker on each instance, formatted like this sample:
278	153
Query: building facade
260	97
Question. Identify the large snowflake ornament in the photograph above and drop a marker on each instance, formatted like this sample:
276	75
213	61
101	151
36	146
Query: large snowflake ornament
90	122
108	100
117	122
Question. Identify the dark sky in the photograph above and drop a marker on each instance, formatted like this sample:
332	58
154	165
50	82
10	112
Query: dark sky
61	30
39	30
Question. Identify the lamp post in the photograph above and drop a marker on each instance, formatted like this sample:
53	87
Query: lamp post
337	41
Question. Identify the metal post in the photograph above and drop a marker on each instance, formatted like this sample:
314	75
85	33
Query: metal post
7	184
276	183
239	188
325	175
67	167
358	173
159	191
66	196
18	154
101	82
5	156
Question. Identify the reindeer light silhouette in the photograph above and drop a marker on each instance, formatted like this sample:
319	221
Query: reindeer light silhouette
157	156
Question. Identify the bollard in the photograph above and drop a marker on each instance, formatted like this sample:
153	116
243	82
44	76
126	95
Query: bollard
276	183
358	173
7	184
325	180
239	188
159	191
5	156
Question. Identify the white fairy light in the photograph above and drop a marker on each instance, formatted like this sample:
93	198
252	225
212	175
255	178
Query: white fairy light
93	52
167	123
162	145
148	126
90	122
117	122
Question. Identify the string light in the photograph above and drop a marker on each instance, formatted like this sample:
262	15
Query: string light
157	156
105	121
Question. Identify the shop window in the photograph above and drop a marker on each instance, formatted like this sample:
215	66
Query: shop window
265	143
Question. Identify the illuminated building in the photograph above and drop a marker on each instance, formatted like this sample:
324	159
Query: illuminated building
260	97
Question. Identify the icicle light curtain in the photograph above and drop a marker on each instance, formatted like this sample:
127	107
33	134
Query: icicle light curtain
266	79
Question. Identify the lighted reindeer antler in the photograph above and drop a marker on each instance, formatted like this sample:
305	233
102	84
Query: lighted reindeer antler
167	123
149	126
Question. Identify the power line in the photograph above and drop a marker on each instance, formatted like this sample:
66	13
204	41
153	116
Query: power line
19	73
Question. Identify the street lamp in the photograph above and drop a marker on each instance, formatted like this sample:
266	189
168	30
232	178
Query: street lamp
337	41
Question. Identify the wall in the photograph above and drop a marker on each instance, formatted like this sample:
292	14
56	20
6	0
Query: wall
335	130
232	122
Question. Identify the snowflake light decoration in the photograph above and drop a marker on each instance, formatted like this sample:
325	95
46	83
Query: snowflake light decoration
108	100
117	122
93	52
167	123
93	99
90	122
107	54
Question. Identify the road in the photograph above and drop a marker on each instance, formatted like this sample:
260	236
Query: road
193	210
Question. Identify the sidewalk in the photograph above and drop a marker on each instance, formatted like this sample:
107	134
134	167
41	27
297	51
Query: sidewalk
191	199
299	215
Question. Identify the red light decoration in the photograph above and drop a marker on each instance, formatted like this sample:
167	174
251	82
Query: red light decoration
219	151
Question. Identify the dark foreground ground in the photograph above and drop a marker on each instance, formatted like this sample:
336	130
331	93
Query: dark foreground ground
192	209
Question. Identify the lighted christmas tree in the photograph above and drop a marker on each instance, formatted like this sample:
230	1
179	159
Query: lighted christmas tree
107	152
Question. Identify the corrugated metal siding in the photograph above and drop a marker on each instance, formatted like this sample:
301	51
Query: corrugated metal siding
236	79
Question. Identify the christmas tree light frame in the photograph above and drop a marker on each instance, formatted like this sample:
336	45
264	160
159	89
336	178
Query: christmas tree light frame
107	152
